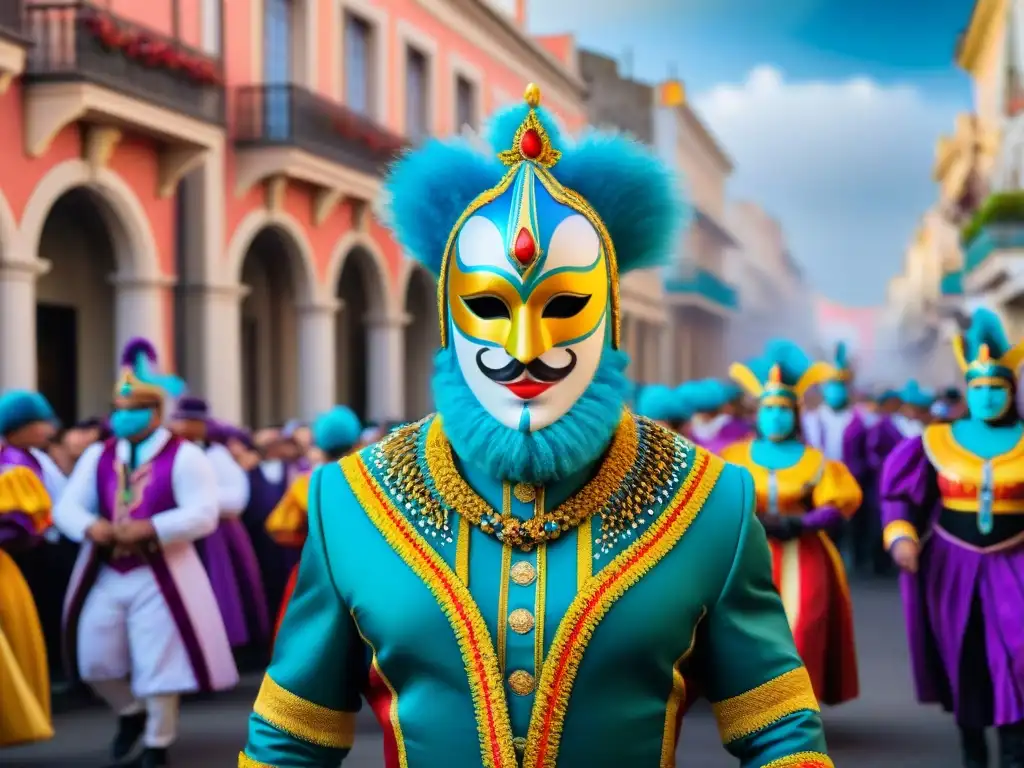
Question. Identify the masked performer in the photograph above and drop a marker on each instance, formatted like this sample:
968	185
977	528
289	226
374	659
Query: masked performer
801	495
716	425
141	621
29	484
335	434
662	405
522	540
227	553
953	505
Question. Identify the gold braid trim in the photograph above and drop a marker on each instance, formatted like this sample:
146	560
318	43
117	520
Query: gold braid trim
677	699
898	529
765	705
302	719
244	761
803	760
601	592
487	689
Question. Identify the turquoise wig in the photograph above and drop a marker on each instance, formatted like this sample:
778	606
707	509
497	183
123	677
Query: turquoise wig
888	394
21	407
985	353
913	394
705	395
630	197
337	431
661	403
782	375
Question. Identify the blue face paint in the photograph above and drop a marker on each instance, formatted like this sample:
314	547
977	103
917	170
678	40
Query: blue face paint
988	403
126	423
835	394
776	422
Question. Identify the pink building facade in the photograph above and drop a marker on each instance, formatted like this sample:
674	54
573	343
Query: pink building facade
211	180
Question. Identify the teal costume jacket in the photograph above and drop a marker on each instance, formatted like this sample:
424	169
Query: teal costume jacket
582	651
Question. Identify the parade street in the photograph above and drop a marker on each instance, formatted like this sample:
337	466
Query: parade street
884	728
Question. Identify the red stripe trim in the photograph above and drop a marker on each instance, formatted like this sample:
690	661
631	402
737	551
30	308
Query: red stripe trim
559	679
402	527
380	699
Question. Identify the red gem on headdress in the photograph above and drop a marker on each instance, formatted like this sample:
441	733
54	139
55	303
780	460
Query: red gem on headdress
530	144
524	248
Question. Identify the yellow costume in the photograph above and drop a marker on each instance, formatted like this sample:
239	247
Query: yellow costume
287	525
24	676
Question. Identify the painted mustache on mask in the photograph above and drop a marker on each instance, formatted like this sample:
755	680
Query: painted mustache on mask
537	368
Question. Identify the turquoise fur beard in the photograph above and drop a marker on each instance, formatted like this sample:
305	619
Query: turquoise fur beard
547	455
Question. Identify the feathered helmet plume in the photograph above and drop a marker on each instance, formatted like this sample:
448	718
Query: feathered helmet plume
630	197
782	375
140	378
841	370
984	352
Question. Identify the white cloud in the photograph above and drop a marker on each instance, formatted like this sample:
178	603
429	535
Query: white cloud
846	166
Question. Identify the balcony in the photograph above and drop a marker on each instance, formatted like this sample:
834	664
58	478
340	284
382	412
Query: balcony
12	42
701	287
285	132
90	66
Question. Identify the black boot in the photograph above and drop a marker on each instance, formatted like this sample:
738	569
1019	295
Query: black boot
1011	746
154	758
129	731
974	748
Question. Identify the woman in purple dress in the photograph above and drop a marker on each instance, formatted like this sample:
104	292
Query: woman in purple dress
953	508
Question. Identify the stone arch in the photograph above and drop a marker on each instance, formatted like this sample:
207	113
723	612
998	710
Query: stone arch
375	271
301	260
136	255
358	276
271	259
418	294
8	230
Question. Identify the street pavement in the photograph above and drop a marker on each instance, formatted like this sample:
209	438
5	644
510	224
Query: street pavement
884	728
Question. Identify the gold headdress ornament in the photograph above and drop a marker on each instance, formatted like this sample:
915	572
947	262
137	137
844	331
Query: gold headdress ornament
775	391
531	148
985	368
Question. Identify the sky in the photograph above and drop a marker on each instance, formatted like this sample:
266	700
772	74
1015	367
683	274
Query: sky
830	109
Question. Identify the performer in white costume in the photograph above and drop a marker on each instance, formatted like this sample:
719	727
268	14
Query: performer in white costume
141	621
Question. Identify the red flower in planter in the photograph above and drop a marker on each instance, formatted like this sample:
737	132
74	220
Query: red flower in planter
107	32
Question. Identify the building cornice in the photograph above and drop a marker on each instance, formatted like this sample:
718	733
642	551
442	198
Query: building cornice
707	138
487	27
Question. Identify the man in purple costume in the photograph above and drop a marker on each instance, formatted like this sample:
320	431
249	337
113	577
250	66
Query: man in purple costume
228	552
716	423
953	507
282	464
837	429
141	621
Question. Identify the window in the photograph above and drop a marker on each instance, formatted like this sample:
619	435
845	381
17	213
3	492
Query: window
417	94
359	78
278	36
465	104
211	11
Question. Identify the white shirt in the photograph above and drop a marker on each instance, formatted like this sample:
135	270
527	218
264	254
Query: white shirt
192	476
830	430
273	470
232	482
708	429
907	427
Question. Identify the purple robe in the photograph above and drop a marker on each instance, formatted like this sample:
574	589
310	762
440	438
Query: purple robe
732	431
234	572
964	607
882	440
153	492
275	561
854	443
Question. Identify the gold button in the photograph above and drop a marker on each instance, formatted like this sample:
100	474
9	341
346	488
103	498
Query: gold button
523	573
519	742
521	621
521	682
524	492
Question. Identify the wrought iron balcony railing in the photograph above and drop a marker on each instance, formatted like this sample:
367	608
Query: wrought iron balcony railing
84	42
289	115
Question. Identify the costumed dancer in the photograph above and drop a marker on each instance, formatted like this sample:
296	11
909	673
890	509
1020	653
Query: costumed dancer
716	424
837	429
141	621
953	506
29	484
519	538
801	495
227	553
281	465
335	434
663	405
